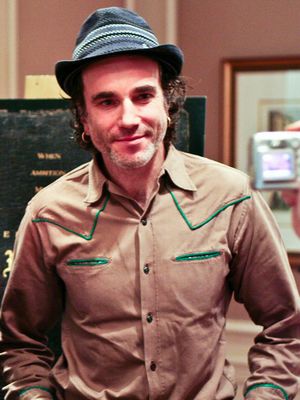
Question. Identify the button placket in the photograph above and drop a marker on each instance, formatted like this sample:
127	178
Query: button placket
148	302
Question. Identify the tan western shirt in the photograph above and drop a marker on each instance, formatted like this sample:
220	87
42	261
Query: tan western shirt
143	294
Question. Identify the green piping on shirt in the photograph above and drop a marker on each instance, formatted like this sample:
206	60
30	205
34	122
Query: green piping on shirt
193	227
86	262
267	385
204	255
86	237
23	391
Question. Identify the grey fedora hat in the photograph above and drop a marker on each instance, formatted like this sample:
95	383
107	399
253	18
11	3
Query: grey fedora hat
112	31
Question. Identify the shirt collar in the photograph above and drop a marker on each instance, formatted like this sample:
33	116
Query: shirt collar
96	181
174	166
176	169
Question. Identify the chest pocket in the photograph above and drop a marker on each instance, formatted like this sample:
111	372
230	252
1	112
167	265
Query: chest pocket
198	256
88	262
196	281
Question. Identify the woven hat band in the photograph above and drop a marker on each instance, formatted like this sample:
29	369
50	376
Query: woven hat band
120	37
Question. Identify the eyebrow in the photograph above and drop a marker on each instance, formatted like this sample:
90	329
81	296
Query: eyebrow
102	95
111	94
145	88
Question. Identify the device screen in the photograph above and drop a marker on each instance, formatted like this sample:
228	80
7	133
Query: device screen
278	166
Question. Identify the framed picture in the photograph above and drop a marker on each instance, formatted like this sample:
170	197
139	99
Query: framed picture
261	95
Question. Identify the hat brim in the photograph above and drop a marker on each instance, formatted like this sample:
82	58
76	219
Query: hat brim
168	55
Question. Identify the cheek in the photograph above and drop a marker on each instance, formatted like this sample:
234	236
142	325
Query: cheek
98	138
164	120
96	133
159	117
163	126
96	128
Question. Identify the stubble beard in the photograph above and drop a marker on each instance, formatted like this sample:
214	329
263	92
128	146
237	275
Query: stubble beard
135	161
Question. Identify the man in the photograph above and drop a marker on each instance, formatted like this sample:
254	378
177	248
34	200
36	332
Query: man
139	251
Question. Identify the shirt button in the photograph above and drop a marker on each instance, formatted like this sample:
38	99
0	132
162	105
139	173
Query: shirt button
146	269
144	221
149	318
153	366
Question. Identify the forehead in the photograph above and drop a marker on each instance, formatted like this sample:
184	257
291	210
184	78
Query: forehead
127	68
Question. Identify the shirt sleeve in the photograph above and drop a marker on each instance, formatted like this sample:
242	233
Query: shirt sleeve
31	303
263	281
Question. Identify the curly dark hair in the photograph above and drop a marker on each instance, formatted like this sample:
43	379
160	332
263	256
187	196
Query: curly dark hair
174	89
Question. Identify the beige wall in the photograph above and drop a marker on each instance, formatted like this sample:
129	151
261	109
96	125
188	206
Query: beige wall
8	48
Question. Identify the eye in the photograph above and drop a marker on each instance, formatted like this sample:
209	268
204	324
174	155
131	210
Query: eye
107	102
144	97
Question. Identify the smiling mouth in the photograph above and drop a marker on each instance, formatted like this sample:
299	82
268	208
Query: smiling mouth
130	138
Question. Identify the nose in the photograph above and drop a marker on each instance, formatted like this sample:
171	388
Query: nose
129	117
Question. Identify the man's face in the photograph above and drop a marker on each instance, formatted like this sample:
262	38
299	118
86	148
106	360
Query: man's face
126	115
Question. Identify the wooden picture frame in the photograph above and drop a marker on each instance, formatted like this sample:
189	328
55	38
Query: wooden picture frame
259	95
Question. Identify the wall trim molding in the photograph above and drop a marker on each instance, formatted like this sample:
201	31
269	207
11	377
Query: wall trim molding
8	49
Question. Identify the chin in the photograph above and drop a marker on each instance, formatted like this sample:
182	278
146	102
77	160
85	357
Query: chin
134	161
131	164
